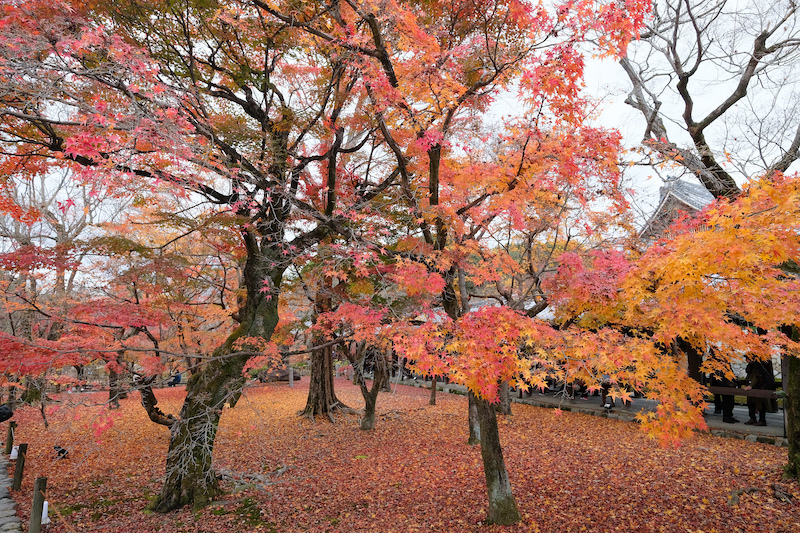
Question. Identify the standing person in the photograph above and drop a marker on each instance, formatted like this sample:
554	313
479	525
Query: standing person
728	402
723	403
757	379
605	388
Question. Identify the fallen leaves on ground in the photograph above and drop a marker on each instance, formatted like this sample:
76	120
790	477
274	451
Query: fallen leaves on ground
414	472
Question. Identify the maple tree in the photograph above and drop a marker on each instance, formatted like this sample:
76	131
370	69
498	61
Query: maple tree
720	286
100	298
549	155
712	85
45	222
154	261
137	122
304	122
457	202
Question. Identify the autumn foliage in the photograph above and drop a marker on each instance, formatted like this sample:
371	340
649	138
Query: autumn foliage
344	152
570	471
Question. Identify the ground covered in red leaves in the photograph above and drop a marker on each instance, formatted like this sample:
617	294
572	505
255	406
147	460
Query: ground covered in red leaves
414	472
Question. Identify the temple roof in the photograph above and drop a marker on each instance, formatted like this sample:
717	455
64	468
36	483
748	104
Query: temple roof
675	196
692	194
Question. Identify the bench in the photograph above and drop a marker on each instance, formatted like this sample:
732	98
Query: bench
738	391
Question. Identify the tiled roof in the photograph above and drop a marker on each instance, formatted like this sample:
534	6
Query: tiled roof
694	195
672	196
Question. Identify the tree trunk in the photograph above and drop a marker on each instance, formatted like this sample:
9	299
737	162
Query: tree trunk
380	377
322	399
387	375
12	391
694	359
370	399
115	392
502	506
474	424
190	479
791	405
504	407
432	401
34	390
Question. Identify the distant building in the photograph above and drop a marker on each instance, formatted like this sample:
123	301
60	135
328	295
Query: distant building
677	198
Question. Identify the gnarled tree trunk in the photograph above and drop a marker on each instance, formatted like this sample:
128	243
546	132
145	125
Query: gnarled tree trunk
190	479
502	506
322	398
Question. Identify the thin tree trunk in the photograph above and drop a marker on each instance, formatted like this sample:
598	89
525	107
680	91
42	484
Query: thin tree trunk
42	410
380	378
114	390
386	370
502	506
432	400
474	424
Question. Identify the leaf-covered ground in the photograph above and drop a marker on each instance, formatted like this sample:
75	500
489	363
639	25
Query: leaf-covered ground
570	472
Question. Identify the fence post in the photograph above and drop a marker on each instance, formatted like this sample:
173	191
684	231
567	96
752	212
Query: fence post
10	438
39	487
23	451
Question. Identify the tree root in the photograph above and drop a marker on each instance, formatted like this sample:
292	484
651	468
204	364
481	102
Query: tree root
337	407
778	492
733	499
781	494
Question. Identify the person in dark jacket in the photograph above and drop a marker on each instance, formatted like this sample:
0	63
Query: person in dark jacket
726	401
757	379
